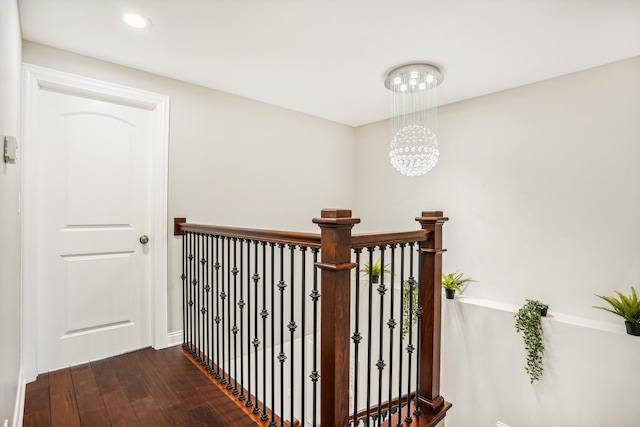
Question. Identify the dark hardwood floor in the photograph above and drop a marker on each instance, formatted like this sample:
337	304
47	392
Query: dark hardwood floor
142	388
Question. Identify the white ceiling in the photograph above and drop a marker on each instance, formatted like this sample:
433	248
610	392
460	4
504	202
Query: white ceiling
329	58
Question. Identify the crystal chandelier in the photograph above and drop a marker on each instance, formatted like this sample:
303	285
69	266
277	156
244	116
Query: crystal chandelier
414	147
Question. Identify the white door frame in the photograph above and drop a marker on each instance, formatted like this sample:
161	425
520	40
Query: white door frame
36	78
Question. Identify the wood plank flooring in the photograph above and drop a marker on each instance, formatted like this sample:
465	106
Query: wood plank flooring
142	388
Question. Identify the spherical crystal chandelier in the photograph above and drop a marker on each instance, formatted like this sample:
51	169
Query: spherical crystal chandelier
414	146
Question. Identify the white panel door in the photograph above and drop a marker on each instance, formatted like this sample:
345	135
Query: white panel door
93	205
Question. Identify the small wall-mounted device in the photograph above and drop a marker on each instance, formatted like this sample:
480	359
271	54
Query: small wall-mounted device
10	148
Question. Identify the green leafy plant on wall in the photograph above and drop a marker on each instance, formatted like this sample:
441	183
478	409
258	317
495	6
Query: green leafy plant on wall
453	282
528	321
627	307
374	270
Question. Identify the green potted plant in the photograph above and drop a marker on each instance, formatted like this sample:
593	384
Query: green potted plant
627	307
374	270
528	321
453	282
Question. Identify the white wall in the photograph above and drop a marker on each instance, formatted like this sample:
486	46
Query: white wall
10	178
541	184
233	161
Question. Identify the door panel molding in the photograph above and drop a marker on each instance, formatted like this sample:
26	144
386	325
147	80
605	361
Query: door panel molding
36	79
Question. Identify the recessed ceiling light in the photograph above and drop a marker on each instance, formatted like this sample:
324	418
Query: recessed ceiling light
136	21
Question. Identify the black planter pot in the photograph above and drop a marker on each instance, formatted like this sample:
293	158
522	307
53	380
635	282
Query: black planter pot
633	328
374	279
543	312
449	293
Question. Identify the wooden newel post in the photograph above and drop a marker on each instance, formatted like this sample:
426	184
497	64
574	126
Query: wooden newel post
335	232
430	322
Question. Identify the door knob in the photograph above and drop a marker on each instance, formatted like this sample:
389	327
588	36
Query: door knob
144	239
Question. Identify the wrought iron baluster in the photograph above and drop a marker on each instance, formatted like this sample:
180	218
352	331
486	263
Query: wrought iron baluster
229	321
315	296
381	364
183	277
196	307
191	298
218	318
281	356
248	403
402	320
392	324
410	348
303	251
264	314
292	328
356	337
273	340
241	304
369	332
234	330
256	340
207	287
419	311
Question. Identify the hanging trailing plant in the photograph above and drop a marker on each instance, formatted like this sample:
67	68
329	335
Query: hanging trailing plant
528	321
409	305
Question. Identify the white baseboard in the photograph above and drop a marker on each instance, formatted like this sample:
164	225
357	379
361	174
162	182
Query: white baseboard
18	411
174	338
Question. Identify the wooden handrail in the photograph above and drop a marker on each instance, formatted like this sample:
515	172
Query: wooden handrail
391	238
309	240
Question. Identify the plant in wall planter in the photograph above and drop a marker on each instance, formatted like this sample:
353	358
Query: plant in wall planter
627	307
453	282
529	322
374	271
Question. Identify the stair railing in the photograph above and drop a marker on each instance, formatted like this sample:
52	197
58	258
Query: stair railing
261	307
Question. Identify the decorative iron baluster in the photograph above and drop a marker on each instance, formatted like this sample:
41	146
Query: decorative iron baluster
183	277
392	324
292	328
369	333
303	251
381	364
281	356
191	298
207	287
256	341
402	320
248	403
229	297
356	337
273	339
315	296
419	312
218	319
241	304
196	307
264	314
234	330
410	348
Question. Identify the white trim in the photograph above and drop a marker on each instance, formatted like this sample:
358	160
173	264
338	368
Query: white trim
36	78
583	322
18	410
174	338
